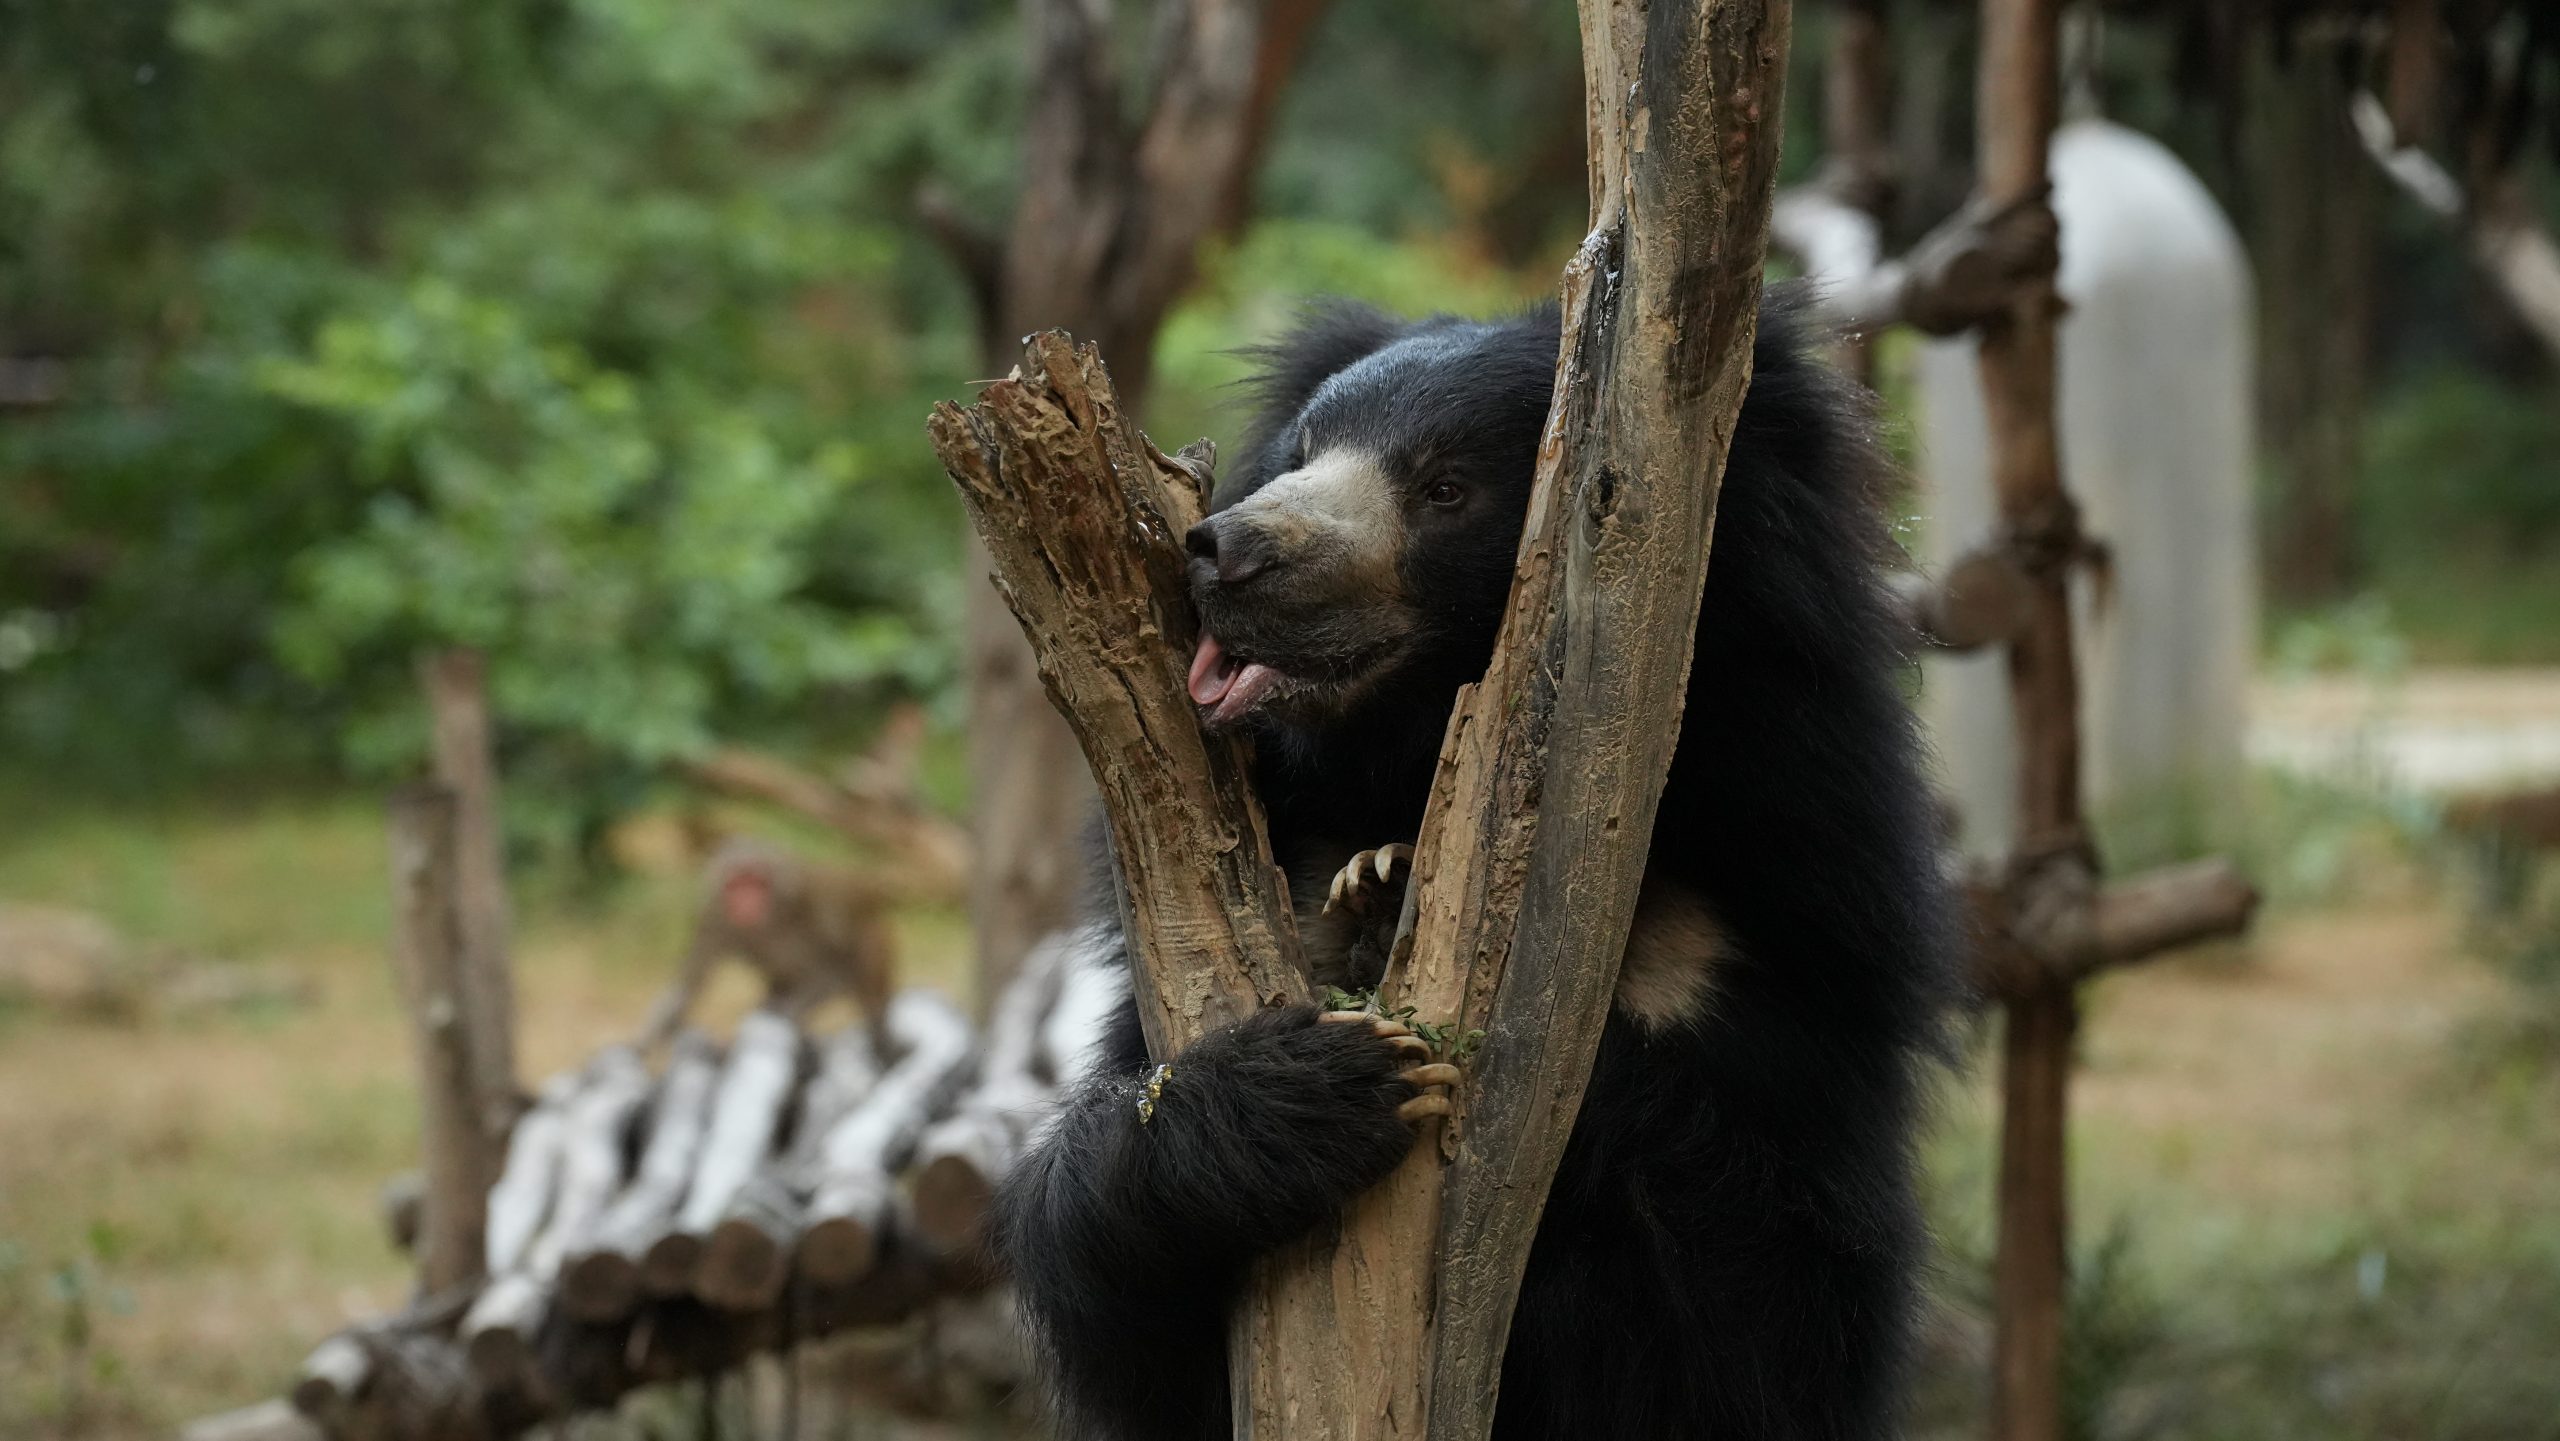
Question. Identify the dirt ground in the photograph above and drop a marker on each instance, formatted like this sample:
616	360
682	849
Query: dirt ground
2337	1212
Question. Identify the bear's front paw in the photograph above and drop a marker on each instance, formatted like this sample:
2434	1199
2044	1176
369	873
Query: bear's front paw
1430	1079
1297	1077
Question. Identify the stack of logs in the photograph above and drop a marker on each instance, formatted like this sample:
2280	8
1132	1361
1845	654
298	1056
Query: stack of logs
653	1228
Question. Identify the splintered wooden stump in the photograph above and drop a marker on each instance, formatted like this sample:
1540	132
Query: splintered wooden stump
1083	518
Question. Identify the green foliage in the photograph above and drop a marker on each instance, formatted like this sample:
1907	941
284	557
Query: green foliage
2458	457
628	551
567	331
2458	522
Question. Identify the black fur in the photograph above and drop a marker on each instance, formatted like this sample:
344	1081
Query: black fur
1731	1246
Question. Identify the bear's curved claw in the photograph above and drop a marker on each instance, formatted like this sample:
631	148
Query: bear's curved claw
1351	884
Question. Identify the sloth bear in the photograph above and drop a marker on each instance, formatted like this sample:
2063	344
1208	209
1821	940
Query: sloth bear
1731	1245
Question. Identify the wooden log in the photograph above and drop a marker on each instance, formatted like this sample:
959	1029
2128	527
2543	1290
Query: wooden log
1015	1018
961	1157
600	1279
746	1260
746	1115
847	1070
499	1333
427	951
668	1262
521	1199
422	1391
743	1122
593	1129
2529	819
2169	908
274	1420
863	1152
457	691
333	1380
1091	990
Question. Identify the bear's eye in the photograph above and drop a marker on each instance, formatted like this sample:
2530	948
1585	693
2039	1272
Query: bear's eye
1444	492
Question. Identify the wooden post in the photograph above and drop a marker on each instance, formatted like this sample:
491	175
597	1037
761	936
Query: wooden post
1526	878
2050	924
427	950
457	690
2016	110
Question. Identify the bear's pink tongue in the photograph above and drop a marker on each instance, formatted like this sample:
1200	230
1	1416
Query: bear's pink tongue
1211	676
1222	687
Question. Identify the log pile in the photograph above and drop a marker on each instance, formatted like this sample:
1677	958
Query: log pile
649	1227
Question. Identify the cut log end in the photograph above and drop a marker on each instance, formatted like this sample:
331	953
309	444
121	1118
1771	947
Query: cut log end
667	1267
953	1199
744	1267
838	1250
600	1286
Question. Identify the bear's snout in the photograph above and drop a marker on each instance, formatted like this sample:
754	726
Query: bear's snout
1229	549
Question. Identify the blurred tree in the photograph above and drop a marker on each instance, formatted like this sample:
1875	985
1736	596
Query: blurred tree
562	331
2316	215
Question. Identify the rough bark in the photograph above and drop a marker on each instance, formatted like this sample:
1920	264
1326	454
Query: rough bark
1103	241
1529	862
1084	518
428	951
457	689
1535	841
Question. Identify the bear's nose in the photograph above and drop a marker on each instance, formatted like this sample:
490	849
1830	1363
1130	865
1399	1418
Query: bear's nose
1235	552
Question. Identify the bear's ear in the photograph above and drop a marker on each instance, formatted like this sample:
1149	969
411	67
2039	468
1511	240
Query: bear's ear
1329	335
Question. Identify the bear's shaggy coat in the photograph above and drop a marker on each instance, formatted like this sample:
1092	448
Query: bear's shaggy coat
1731	1247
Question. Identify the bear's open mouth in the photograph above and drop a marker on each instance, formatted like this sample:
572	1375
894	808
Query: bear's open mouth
1226	686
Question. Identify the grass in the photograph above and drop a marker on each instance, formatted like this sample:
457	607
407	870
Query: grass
2306	1205
187	1204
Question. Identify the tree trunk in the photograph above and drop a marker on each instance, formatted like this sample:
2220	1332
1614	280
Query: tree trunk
1526	877
456	683
2316	222
427	948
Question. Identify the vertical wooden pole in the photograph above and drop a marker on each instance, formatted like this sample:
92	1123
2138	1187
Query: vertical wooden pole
2016	110
457	688
427	951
